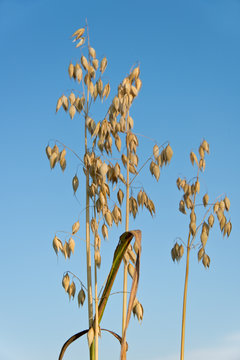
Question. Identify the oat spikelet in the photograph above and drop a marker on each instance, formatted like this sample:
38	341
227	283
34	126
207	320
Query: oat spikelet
53	160
205	200
211	220
156	171
70	70
204	238
201	152
182	207
78	73
59	104
81	42
95	64
72	111
200	254
57	244
63	164
97	258
169	153
131	270
71	244
205	146
81	297
105	231
84	62
193	158
71	290
65	282
197	186
75	227
206	260
227	203
120	196
156	151
65	102
92	52
222	205
48	151
103	65
79	32
216	207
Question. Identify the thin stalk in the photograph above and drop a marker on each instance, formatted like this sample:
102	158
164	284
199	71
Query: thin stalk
96	315
88	251
185	300
186	284
124	310
96	296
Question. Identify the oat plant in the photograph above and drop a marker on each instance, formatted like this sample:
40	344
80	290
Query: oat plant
199	231
127	168
101	171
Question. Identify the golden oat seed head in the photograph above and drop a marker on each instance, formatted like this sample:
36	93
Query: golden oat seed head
222	205
71	244
72	111
84	62
75	227
201	152
92	52
211	220
70	70
103	65
204	238
205	200
75	183
79	32
48	151
81	42
81	297
169	153
205	146
227	203
95	64
200	254
65	282
156	151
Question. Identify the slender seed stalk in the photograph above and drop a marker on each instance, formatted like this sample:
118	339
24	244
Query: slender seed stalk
124	311
96	296
185	300
186	284
96	313
88	251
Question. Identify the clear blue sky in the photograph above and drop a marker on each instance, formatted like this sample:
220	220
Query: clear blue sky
189	56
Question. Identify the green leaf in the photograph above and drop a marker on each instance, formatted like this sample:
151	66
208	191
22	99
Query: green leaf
121	248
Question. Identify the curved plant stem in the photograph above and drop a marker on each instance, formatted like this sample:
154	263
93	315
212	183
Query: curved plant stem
185	300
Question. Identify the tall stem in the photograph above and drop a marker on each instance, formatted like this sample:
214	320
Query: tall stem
186	283
185	300
96	292
124	311
88	251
